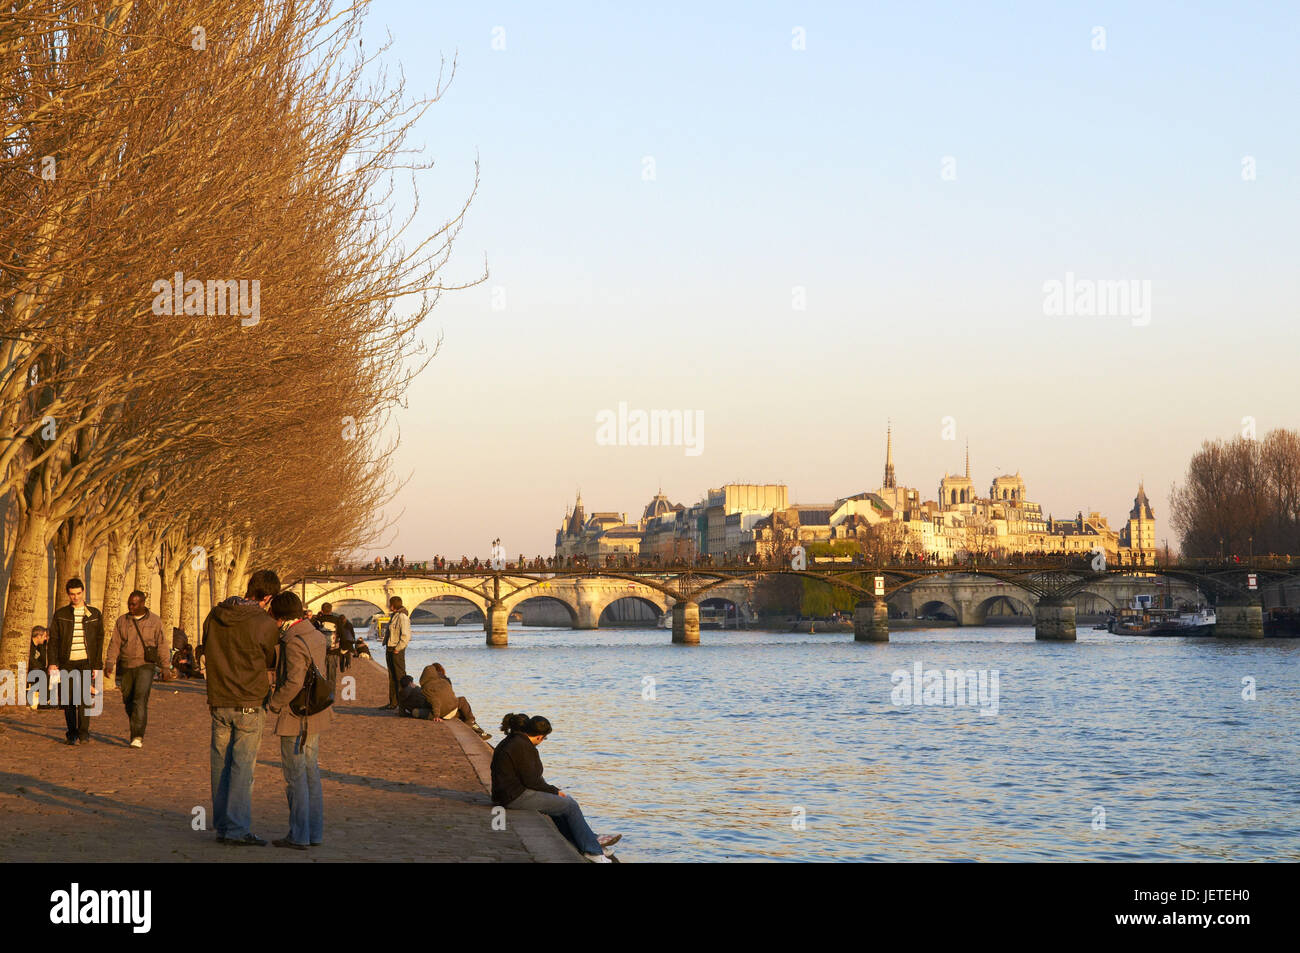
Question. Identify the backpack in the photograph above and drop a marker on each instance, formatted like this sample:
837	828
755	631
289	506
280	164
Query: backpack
316	694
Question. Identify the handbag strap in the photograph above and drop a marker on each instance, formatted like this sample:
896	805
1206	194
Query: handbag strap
139	634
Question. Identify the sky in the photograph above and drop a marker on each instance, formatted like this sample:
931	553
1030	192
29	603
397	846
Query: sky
799	221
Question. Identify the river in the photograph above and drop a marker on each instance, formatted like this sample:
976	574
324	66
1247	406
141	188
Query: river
778	746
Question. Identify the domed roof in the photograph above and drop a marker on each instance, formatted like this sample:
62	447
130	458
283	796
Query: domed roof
658	506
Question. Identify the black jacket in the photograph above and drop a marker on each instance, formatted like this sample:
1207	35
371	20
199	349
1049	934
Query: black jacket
516	768
36	657
60	643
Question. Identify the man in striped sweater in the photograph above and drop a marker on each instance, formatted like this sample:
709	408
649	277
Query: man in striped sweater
77	646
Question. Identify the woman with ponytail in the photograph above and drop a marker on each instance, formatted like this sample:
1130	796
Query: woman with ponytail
518	785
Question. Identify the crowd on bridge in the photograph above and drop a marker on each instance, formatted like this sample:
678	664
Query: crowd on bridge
398	566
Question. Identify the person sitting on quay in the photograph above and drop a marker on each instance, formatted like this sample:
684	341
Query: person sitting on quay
183	663
518	785
411	702
443	700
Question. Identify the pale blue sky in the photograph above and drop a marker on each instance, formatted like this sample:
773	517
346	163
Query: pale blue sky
821	168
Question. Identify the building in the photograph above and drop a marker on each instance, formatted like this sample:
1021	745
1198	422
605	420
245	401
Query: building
737	522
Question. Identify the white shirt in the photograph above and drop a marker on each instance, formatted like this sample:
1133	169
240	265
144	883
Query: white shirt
78	651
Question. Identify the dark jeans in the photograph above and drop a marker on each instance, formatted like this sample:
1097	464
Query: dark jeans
566	814
74	702
332	668
136	684
396	672
236	734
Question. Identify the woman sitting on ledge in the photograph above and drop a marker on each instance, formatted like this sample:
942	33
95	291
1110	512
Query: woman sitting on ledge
518	785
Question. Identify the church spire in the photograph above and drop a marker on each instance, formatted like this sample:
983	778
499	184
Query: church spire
968	458
889	457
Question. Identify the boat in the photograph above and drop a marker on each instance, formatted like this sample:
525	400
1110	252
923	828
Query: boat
1282	623
1143	617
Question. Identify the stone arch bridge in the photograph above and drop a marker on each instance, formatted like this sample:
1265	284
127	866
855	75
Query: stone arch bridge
1048	594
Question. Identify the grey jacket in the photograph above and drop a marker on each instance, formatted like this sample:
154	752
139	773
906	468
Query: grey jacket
129	647
399	632
299	642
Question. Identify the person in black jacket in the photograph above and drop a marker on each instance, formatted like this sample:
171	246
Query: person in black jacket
518	785
76	652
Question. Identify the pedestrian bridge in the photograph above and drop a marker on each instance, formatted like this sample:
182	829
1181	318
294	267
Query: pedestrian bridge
1050	598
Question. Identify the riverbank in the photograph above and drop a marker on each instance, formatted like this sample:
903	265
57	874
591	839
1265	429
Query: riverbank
395	789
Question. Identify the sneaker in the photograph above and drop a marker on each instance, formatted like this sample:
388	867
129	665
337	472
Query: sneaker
480	732
608	840
597	858
248	840
137	742
285	842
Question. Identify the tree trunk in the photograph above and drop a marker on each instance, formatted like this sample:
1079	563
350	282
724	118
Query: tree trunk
239	572
189	601
219	572
20	604
70	553
144	550
119	545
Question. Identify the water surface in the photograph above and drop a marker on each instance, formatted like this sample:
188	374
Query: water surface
749	732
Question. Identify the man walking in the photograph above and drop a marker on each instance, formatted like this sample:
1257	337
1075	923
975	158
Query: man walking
396	638
239	645
136	647
76	654
301	645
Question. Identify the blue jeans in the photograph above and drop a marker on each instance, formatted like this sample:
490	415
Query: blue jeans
236	735
302	787
566	814
136	684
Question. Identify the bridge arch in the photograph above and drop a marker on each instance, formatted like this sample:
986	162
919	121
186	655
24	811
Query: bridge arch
732	611
543	601
938	608
645	594
607	614
1080	597
443	606
981	609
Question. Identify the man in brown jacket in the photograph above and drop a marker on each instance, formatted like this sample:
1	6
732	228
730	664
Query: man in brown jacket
136	633
301	644
239	645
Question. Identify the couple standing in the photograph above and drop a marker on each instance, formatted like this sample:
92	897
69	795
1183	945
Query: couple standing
243	640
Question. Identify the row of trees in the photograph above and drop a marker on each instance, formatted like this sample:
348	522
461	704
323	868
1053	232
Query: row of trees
199	289
1240	497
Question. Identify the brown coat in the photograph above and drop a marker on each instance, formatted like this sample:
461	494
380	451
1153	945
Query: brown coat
299	642
129	647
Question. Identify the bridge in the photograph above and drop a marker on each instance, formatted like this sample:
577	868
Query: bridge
1048	593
